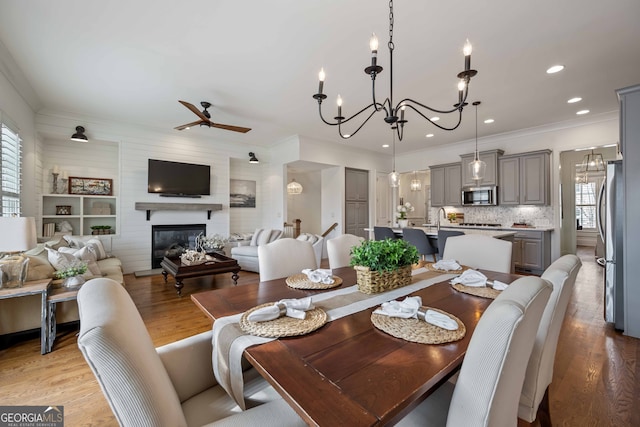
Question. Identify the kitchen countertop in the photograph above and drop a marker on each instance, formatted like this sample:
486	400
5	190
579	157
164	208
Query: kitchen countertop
475	227
433	232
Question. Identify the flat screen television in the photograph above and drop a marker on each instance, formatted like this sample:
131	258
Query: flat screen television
174	179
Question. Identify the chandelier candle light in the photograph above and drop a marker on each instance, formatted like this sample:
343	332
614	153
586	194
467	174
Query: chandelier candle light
391	111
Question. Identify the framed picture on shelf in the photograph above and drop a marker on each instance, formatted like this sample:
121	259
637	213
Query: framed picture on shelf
242	194
91	186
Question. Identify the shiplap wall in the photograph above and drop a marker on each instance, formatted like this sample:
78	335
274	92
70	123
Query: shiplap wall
245	220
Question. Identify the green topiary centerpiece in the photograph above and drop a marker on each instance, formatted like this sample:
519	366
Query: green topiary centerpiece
382	265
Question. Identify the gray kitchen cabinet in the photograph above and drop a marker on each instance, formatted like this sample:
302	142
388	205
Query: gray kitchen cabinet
446	185
531	251
491	174
524	179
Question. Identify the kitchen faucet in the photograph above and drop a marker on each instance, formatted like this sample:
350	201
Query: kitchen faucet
438	217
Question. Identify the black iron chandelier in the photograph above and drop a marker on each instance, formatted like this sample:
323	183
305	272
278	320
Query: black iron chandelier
391	111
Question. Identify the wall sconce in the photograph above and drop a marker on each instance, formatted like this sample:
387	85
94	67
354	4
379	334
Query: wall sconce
79	135
253	158
294	187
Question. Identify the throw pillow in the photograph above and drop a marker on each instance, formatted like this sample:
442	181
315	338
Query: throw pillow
60	260
88	256
95	245
76	241
39	268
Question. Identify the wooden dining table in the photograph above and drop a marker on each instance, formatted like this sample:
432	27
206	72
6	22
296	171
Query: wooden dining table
348	372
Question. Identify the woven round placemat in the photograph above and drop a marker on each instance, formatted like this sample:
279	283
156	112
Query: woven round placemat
283	326
430	267
419	331
484	292
301	281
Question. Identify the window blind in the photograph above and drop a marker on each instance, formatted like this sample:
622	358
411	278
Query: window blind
11	158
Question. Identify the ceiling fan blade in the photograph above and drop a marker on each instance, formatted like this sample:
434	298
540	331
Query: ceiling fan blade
229	127
194	109
188	125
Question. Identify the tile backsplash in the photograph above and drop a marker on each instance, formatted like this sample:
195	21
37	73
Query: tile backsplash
539	216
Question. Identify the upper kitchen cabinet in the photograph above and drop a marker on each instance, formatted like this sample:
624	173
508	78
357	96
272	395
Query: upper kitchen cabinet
446	185
523	179
491	174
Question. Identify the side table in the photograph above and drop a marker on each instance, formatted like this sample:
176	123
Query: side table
55	296
33	287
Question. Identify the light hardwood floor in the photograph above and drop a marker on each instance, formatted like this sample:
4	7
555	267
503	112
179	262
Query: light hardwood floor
595	379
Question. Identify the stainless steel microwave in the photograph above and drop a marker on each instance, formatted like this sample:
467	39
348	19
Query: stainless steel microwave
480	196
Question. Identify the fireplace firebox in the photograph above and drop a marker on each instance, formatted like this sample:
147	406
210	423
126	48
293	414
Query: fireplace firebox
173	240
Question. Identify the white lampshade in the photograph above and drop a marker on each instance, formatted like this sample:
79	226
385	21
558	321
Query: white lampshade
18	234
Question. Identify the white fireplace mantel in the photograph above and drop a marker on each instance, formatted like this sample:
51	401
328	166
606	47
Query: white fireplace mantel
209	207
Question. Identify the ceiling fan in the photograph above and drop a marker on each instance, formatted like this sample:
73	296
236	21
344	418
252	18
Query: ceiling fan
205	119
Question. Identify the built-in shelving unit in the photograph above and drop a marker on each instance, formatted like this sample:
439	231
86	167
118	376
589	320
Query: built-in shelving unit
149	207
84	211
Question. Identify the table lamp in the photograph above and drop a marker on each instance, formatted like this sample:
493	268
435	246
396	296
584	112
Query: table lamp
17	234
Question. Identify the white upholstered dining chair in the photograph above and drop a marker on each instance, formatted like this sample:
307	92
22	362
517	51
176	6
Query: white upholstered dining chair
487	391
339	249
534	400
480	251
171	386
285	257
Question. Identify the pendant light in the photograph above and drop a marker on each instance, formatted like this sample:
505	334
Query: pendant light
394	177
416	184
294	187
477	168
593	162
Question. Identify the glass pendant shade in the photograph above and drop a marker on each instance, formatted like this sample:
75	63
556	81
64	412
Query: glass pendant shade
394	179
593	162
416	185
294	187
477	169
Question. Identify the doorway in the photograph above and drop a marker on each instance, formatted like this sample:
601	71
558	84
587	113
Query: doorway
579	191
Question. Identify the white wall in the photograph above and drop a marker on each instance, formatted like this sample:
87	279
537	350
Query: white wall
244	220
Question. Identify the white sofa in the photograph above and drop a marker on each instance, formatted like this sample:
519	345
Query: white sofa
23	313
247	255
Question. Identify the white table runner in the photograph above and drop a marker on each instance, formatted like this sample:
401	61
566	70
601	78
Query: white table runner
230	341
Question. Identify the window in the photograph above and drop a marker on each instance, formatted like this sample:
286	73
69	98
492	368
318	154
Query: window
11	158
586	199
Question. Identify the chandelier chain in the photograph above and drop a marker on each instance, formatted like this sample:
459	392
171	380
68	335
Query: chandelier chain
390	44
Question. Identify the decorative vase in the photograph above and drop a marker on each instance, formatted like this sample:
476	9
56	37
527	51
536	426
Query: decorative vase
73	282
403	223
373	282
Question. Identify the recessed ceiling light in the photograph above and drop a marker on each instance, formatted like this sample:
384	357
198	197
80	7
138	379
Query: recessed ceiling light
581	112
489	121
429	135
574	100
385	145
435	118
555	69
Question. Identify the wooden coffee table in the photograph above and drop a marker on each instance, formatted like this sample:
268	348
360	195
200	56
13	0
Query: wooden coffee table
219	264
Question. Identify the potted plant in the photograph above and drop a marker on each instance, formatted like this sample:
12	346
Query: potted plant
100	229
402	214
382	265
72	275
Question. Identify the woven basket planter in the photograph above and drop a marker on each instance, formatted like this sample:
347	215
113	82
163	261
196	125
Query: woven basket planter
373	282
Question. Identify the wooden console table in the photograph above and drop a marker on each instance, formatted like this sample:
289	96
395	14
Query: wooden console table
34	287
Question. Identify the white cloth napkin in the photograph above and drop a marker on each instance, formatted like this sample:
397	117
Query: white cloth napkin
408	308
295	308
499	286
320	275
447	264
471	278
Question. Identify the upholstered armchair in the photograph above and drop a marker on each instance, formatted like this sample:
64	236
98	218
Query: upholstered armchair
247	256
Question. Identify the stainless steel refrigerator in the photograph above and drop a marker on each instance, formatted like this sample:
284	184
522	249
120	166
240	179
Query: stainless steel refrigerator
610	217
